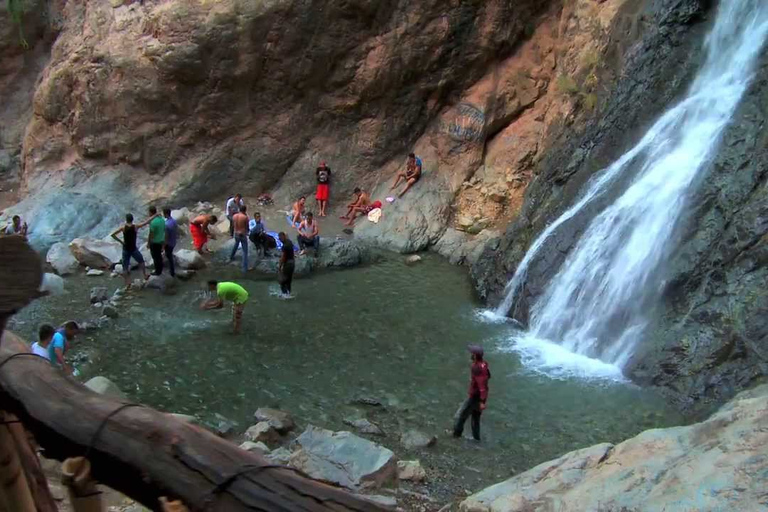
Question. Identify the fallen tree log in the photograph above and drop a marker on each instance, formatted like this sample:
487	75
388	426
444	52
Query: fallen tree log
143	453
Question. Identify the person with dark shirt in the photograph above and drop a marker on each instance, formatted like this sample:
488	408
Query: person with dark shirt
323	174
171	233
130	248
156	239
474	405
286	266
257	233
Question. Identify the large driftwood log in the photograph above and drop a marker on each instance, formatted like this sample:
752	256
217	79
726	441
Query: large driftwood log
143	453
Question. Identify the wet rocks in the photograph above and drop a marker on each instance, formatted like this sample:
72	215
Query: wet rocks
411	471
415	439
185	275
412	259
109	311
371	401
660	469
95	253
279	456
106	387
62	260
164	282
344	459
94	272
364	426
181	216
189	260
263	432
281	421
99	294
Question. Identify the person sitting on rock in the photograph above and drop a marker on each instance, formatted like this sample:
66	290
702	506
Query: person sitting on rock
228	291
257	233
411	175
365	208
16	227
297	212
60	344
130	248
309	234
358	204
200	229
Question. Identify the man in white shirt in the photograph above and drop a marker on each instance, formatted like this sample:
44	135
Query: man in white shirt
40	347
232	209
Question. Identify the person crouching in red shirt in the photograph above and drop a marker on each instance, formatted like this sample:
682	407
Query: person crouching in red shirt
480	374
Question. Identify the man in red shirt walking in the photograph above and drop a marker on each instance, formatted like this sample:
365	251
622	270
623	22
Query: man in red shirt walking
480	374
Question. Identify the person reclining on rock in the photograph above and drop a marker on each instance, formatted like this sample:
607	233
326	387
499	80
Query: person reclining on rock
228	291
200	228
130	248
309	234
411	175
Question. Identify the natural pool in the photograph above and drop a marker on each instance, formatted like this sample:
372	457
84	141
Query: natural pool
390	331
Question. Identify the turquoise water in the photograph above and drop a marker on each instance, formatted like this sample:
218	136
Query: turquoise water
390	331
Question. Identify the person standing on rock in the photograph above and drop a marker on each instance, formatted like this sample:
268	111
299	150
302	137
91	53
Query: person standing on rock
240	222
309	234
200	229
60	344
474	405
286	266
156	240
232	292
323	174
130	248
411	175
171	234
233	208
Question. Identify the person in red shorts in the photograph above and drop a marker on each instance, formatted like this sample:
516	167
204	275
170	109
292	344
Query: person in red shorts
323	174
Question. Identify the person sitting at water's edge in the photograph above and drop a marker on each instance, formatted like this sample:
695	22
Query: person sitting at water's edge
130	248
44	337
411	175
297	212
233	208
171	234
200	229
309	234
286	266
232	292
59	345
16	227
475	403
257	233
323	174
240	222
156	239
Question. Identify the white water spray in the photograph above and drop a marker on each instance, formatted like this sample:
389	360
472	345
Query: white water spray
595	306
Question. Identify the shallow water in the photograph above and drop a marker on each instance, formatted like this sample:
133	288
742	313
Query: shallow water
389	331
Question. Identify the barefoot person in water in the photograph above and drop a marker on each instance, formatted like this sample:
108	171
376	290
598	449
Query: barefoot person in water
200	228
228	291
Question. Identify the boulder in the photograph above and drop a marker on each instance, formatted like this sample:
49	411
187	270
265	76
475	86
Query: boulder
52	284
106	387
259	448
279	420
62	260
189	260
164	282
713	465
263	432
109	311
185	275
415	439
342	458
94	273
412	259
96	253
411	470
181	216
118	269
364	426
99	294
279	456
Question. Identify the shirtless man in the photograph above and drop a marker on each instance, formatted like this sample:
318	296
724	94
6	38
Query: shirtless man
200	230
297	213
361	200
410	176
240	224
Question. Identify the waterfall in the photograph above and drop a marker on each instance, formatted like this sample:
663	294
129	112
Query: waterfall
595	306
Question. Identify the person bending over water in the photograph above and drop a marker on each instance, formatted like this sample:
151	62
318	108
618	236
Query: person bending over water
474	405
232	292
130	248
60	344
200	229
286	266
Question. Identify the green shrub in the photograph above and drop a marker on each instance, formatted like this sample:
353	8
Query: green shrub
566	84
17	8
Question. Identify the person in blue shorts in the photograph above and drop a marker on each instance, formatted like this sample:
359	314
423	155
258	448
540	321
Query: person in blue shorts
130	248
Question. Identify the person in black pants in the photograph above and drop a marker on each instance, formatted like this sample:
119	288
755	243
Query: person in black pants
474	405
171	232
286	266
156	239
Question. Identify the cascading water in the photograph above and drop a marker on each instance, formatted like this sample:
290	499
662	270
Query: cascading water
594	307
